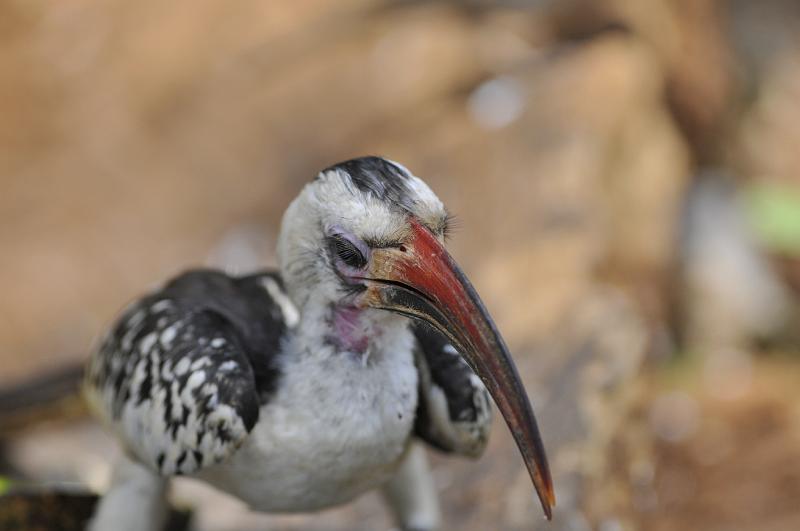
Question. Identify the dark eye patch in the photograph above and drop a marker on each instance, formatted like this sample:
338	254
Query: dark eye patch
347	252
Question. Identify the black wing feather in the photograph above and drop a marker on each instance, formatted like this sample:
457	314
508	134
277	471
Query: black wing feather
182	374
454	412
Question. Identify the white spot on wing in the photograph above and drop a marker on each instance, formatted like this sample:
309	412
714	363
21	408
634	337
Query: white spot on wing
194	381
475	382
136	318
450	349
200	363
228	366
161	305
147	343
182	366
167	336
290	314
218	342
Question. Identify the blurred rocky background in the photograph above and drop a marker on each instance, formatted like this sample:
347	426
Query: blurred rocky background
626	175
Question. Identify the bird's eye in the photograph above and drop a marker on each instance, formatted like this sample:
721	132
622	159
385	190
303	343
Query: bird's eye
347	252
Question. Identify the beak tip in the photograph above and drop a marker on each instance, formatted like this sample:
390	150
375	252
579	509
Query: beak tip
548	512
547	497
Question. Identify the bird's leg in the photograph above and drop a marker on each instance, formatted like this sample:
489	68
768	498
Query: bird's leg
411	494
136	500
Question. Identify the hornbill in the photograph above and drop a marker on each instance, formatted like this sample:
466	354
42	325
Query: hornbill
302	388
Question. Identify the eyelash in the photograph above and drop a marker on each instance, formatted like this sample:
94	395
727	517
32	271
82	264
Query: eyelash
347	252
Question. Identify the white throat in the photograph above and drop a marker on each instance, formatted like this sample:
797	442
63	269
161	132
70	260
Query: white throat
327	329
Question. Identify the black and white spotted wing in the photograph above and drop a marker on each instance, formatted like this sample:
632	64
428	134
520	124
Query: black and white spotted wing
182	374
454	413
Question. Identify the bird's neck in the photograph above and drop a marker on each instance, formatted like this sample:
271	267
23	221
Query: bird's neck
333	329
350	331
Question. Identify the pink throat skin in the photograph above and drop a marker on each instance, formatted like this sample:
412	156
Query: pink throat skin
349	333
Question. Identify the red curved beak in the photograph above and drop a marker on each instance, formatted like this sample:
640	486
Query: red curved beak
421	280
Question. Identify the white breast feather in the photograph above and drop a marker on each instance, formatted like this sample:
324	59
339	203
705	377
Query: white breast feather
335	428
